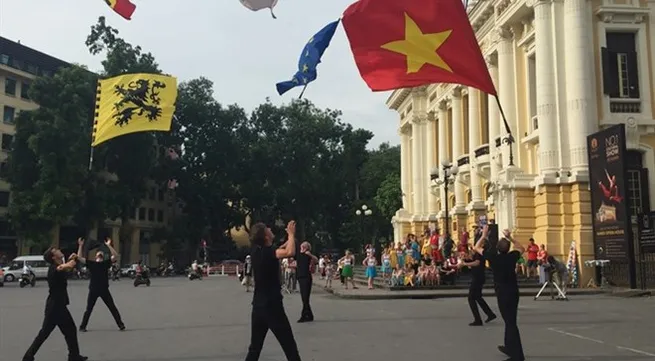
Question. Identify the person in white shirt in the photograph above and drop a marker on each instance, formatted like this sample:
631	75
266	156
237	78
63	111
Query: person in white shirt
321	266
194	266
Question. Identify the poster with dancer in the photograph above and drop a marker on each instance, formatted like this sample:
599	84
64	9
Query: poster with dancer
609	206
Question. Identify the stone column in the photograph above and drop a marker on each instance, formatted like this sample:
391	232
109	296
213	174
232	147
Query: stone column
430	163
506	89
460	200
474	143
580	97
443	148
494	119
545	84
405	183
417	174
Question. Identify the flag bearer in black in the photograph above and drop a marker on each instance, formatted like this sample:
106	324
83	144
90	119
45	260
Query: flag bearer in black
267	308
304	276
476	262
56	310
503	264
99	284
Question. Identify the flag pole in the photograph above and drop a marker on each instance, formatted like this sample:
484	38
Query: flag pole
509	139
302	92
91	158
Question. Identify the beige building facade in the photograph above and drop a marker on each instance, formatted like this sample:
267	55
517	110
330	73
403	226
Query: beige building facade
563	69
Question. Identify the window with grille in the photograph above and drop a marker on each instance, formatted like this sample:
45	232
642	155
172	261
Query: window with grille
634	191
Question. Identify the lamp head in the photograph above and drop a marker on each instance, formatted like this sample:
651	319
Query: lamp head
358	212
364	207
434	173
445	164
454	171
368	212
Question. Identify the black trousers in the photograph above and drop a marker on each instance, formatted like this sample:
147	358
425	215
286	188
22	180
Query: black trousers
91	300
305	284
56	316
475	299
508	303
274	318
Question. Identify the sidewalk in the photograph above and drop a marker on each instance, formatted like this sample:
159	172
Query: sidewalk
381	294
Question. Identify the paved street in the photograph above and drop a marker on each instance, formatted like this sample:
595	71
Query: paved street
175	319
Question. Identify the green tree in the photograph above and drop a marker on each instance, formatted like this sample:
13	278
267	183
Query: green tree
389	196
210	163
48	165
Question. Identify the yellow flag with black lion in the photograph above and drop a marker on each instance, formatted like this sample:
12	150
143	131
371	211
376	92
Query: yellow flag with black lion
132	103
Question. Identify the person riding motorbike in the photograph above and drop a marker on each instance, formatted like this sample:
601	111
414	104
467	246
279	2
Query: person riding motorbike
28	275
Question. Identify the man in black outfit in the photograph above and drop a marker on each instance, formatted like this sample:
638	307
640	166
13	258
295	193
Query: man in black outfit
56	310
503	264
304	276
477	265
99	284
267	307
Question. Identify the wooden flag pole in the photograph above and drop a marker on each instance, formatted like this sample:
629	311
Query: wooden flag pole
302	92
509	139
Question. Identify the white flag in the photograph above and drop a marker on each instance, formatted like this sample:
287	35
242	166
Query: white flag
256	5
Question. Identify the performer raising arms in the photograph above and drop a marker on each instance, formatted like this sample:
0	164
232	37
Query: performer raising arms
304	274
99	284
267	308
503	264
56	310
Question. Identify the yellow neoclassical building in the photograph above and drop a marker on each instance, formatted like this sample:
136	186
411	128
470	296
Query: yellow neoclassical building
563	69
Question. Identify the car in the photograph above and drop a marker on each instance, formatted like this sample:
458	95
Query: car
37	263
2	277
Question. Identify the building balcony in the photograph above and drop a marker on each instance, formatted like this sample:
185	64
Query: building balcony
482	161
463	160
625	105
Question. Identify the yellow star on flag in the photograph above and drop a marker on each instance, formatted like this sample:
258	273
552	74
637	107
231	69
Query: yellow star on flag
305	68
420	48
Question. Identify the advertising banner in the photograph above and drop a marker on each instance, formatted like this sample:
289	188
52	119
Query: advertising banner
609	206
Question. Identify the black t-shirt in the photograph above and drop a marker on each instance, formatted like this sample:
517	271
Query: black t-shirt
99	274
303	262
504	268
266	269
57	285
478	272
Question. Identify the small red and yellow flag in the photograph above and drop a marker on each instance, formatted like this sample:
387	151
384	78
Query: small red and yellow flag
123	8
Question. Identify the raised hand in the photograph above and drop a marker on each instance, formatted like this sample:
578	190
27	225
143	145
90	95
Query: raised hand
73	256
108	241
291	227
80	241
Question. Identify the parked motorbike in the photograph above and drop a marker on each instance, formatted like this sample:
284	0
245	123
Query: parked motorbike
27	279
142	278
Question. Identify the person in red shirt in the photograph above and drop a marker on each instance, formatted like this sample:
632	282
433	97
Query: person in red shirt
533	250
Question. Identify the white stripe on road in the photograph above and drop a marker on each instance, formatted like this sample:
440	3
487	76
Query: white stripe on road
601	342
575	335
636	351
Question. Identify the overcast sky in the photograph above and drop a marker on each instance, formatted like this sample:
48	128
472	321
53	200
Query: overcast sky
243	52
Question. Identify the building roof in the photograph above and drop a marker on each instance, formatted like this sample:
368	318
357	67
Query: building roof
24	58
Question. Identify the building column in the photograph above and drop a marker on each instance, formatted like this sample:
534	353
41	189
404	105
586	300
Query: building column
545	84
460	200
417	174
474	143
430	163
443	150
580	96
494	119
506	91
404	167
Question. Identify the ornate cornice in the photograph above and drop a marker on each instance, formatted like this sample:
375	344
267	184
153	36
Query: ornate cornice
397	98
443	104
492	60
432	116
457	91
534	3
419	118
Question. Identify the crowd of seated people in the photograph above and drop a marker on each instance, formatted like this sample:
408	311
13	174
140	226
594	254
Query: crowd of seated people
428	260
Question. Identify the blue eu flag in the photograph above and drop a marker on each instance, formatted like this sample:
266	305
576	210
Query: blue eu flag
309	59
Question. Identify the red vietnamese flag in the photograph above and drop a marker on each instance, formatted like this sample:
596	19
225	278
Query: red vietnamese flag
409	43
123	8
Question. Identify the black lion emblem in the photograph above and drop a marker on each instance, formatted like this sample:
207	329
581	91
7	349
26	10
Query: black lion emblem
139	98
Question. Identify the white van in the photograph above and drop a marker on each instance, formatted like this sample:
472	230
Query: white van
38	264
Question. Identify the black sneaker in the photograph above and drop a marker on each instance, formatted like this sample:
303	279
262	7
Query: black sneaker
475	323
82	329
490	318
77	358
503	349
121	327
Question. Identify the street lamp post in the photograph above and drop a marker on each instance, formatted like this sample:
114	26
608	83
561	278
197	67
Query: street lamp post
361	213
449	172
